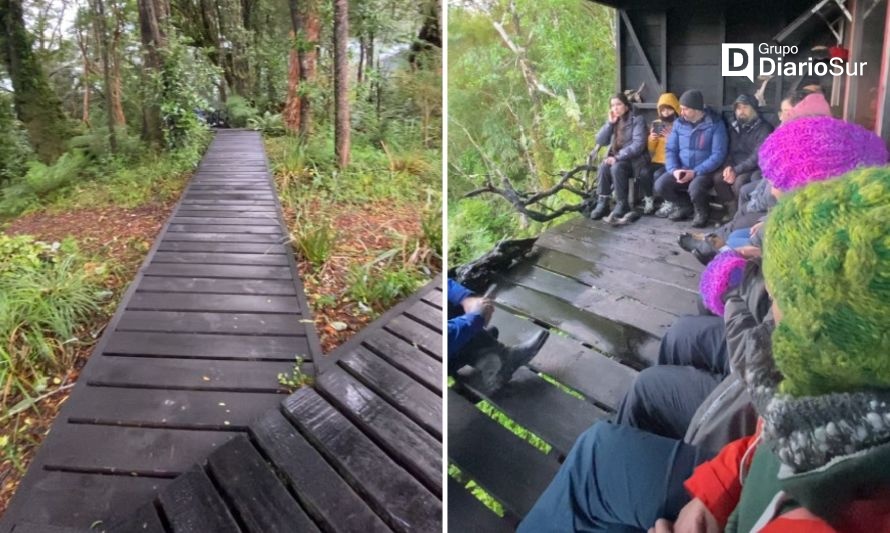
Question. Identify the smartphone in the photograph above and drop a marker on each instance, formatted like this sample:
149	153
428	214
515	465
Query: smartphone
657	127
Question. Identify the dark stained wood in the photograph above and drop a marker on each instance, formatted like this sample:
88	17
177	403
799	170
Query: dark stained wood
408	443
406	358
207	345
323	493
521	399
398	497
223	228
191	374
225	221
208	303
219	271
171	408
197	322
420	335
143	520
24	527
434	297
267	287
508	468
261	501
192	505
215	237
221	258
466	513
416	401
426	314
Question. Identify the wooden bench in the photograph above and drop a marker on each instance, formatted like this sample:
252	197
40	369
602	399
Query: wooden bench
607	294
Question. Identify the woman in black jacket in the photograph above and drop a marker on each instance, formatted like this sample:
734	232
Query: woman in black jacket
625	135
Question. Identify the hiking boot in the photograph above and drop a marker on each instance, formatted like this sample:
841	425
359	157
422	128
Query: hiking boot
683	212
602	207
666	209
620	210
516	356
632	216
648	205
701	217
701	248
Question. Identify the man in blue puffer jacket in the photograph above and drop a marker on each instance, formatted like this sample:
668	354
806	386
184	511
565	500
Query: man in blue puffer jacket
696	148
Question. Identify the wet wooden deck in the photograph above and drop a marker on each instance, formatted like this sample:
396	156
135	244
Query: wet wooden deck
607	294
359	451
191	356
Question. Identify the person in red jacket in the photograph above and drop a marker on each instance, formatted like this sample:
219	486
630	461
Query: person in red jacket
820	460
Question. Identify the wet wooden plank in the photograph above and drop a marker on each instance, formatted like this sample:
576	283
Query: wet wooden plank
434	297
259	498
398	497
225	228
235	303
224	221
192	505
207	345
30	527
128	450
406	358
604	335
215	237
523	399
427	314
198	285
407	442
76	500
488	453
416	401
617	307
208	258
192	374
466	513
599	378
196	322
420	335
218	271
321	491
169	408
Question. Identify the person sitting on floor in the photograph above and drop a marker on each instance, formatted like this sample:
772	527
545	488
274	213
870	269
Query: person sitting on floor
696	147
818	460
746	133
660	130
471	343
834	147
625	134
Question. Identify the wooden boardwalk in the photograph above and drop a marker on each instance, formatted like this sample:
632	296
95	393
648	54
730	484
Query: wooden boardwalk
191	356
359	451
607	294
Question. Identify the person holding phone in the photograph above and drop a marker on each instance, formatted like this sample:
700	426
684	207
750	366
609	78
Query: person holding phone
668	111
696	147
625	134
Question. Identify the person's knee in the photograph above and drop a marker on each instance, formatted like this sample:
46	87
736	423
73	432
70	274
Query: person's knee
663	184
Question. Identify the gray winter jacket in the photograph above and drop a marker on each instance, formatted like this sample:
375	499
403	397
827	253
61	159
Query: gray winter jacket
634	135
727	413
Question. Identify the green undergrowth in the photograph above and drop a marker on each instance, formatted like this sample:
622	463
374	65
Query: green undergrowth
564	388
514	427
87	176
478	492
48	292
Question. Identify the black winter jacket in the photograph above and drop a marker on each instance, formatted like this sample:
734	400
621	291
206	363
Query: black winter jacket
744	143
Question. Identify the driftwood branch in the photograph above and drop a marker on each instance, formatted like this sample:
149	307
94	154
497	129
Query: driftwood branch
482	271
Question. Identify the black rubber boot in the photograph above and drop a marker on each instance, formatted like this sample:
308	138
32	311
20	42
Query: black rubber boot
682	212
701	248
519	355
701	217
602	207
621	209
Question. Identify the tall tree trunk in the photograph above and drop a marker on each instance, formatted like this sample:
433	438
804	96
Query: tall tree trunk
152	16
292	106
361	58
98	7
430	35
311	30
341	83
117	103
87	69
36	105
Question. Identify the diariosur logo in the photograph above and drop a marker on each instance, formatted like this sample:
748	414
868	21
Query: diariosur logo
738	60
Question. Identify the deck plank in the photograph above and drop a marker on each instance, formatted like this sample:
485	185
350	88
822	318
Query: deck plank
198	285
192	505
208	345
198	322
407	358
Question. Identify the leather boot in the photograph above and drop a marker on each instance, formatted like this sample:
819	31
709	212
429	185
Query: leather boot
702	213
621	209
602	207
682	212
516	356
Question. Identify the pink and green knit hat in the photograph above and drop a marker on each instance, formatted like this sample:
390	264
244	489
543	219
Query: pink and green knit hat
723	273
811	149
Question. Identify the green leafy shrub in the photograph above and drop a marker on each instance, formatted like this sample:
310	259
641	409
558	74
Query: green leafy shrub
14	148
314	239
47	293
240	111
269	124
380	288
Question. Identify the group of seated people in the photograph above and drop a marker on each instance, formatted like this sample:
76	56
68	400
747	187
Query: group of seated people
770	411
684	155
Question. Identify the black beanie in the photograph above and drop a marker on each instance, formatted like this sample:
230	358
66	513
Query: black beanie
693	99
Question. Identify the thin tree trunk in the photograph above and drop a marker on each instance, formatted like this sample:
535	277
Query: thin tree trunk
152	15
361	58
36	105
87	69
292	105
116	91
341	83
102	31
311	29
